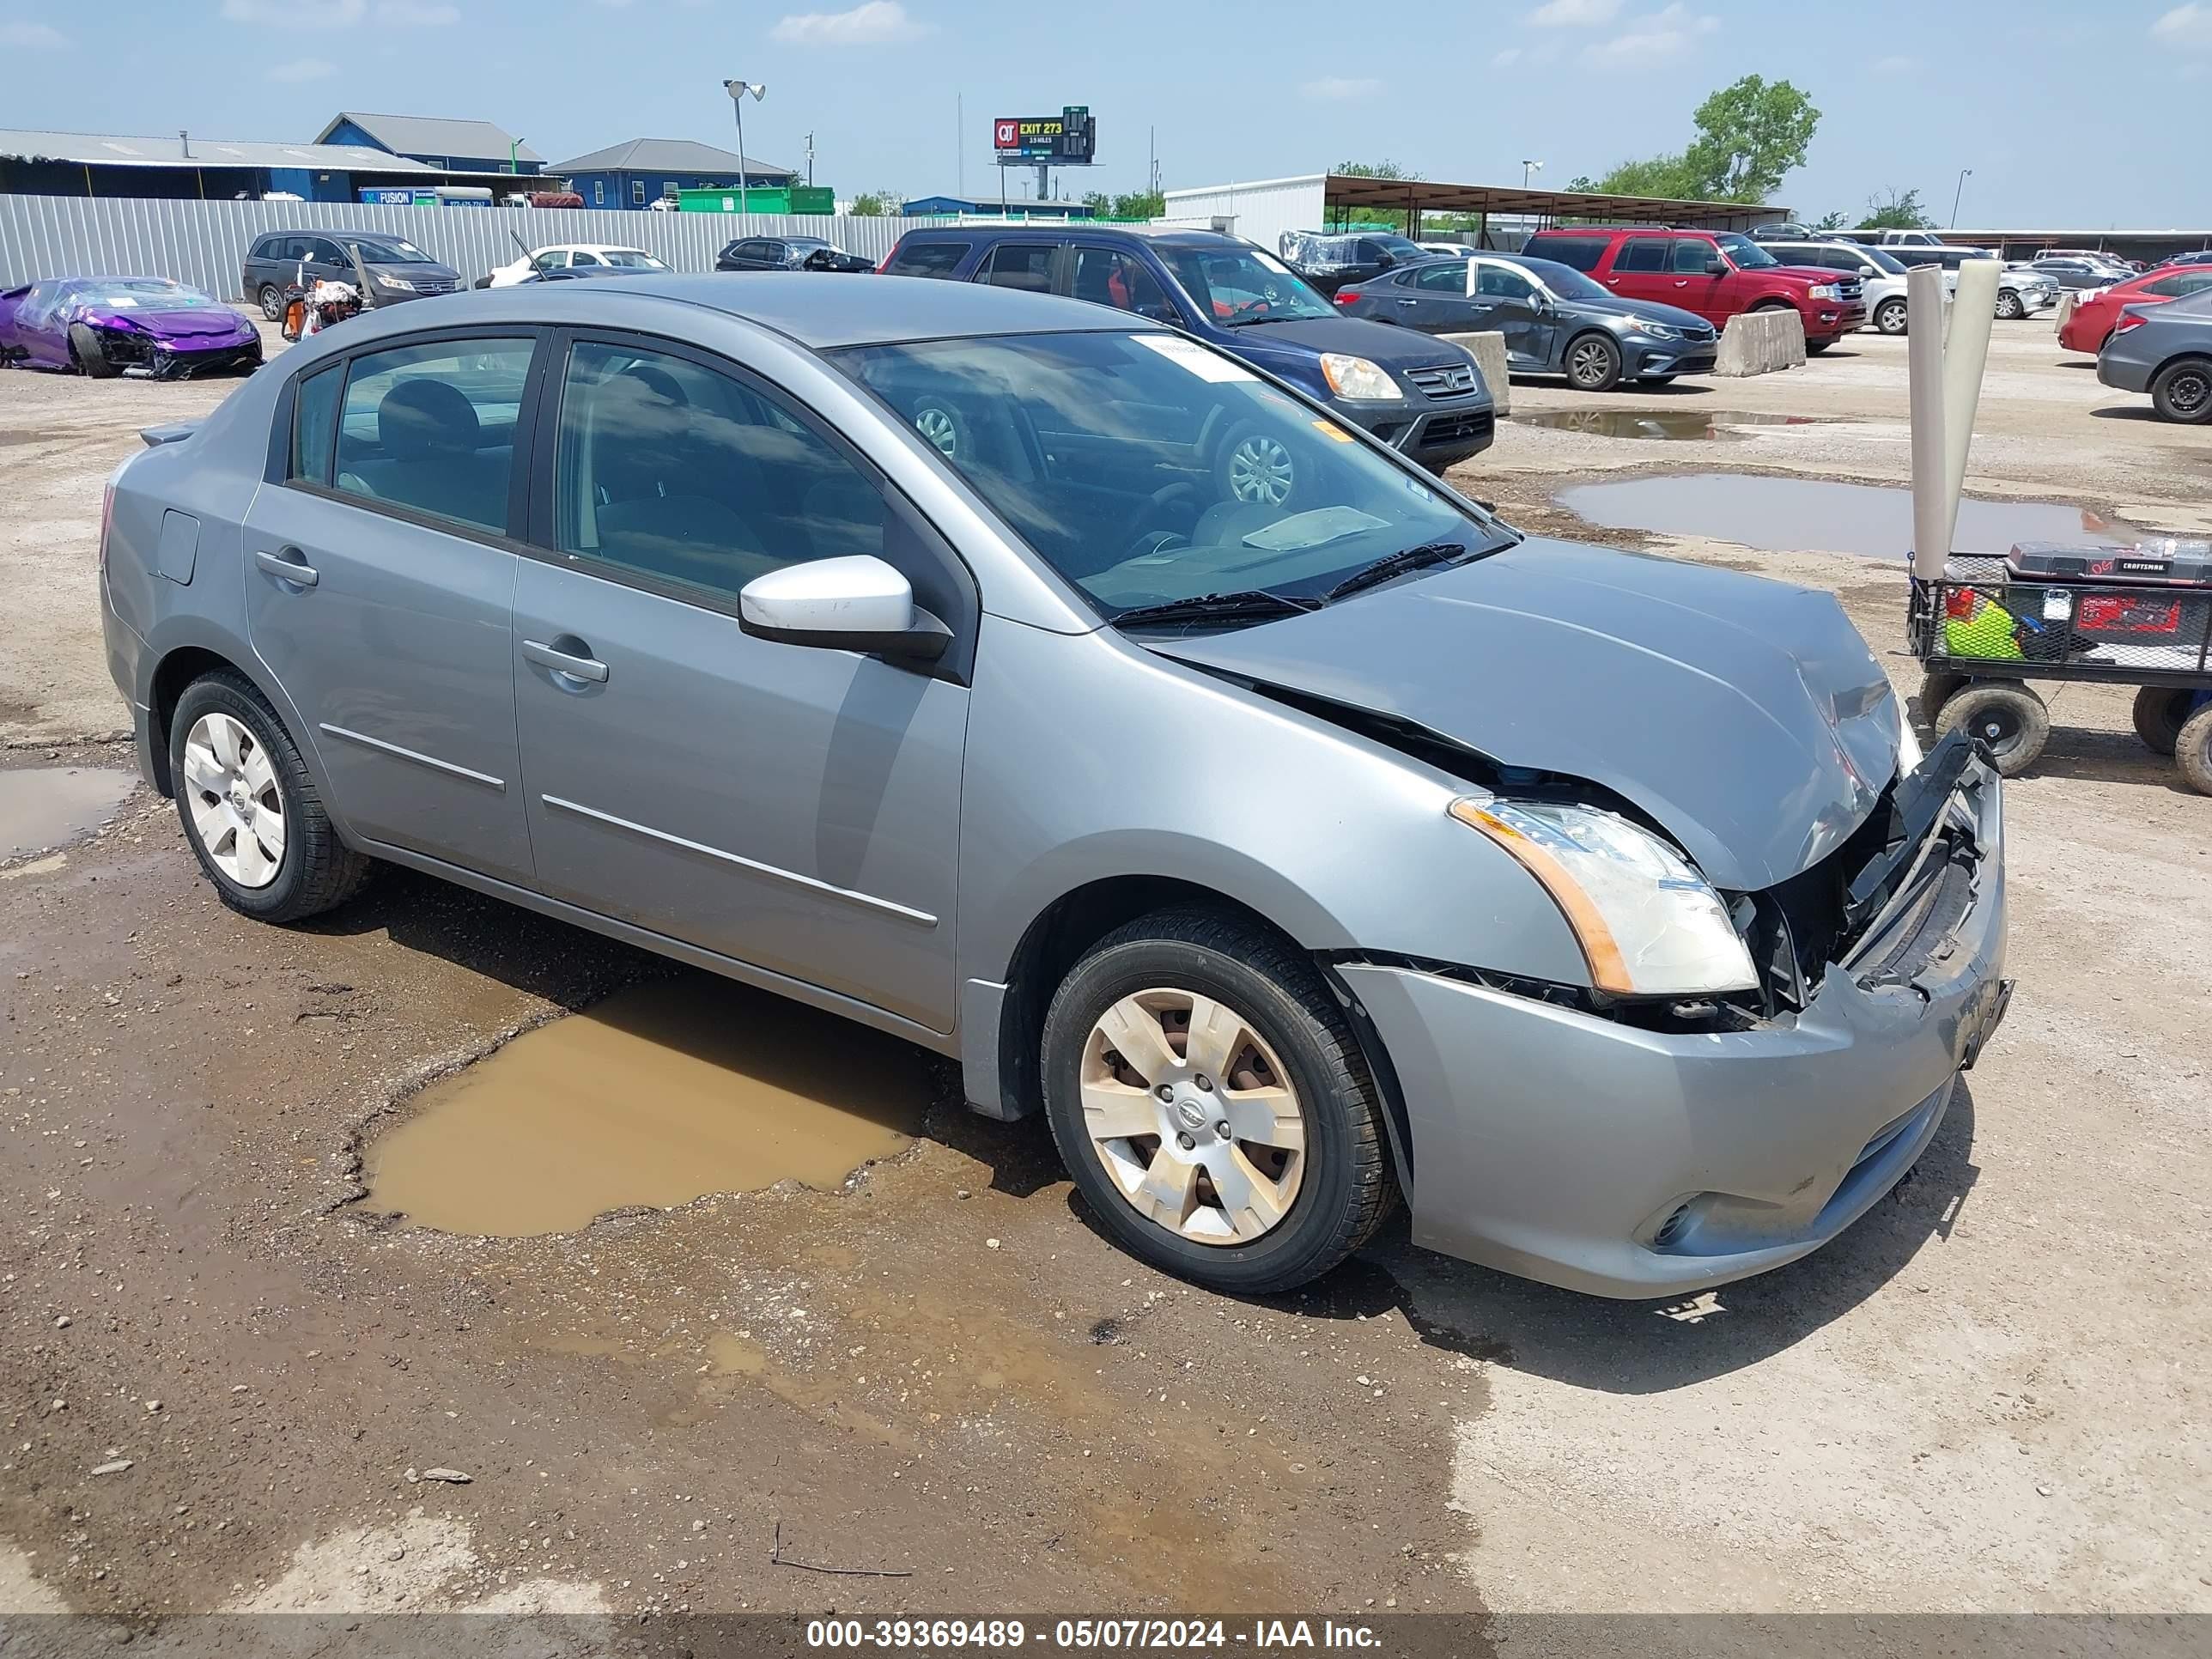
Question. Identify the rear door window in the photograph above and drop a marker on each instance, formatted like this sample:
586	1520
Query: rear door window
1449	277
1581	252
1642	253
926	259
1026	265
431	427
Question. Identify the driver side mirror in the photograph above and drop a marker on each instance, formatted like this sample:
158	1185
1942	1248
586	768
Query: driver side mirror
858	603
1866	270
1716	266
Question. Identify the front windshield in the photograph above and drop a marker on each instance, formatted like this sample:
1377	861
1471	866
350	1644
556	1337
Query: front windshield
143	293
1564	281
1746	253
1236	285
391	253
1146	468
631	258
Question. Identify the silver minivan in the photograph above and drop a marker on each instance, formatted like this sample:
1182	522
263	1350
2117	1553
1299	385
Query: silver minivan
915	650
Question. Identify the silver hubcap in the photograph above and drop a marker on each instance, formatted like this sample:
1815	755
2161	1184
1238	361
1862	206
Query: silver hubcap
1589	362
1193	1118
1260	470
236	806
936	425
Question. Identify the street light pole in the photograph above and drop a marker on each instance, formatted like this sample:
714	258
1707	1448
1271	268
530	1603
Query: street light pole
1965	173
1529	169
738	89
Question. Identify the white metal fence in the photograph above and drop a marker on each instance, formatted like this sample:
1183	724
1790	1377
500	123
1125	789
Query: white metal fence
204	243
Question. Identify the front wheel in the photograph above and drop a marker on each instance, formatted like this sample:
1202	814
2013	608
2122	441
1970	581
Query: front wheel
1890	319
91	356
272	302
1593	363
2007	716
2008	305
250	809
1213	1106
1814	348
2183	392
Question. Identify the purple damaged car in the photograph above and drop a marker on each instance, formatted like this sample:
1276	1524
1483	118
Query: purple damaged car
108	325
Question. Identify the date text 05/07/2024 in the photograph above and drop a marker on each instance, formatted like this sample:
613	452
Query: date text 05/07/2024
986	1635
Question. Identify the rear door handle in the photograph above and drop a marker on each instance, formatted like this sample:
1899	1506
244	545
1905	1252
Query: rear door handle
577	665
288	564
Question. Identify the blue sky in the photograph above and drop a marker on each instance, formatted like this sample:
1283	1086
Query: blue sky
2051	102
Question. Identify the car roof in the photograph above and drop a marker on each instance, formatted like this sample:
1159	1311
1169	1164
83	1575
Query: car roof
1625	230
1062	230
816	309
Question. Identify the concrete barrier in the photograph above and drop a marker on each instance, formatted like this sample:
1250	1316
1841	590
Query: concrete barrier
2067	301
1760	341
1489	350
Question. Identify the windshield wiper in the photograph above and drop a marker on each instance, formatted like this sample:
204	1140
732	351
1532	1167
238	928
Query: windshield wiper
1274	317
1251	604
1397	564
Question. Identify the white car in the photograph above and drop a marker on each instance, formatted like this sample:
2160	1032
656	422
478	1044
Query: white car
568	255
1451	250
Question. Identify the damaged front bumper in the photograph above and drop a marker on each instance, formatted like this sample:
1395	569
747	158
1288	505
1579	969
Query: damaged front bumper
147	357
1583	1151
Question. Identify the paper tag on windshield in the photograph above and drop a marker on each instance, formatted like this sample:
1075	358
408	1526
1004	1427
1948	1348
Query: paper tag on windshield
1206	365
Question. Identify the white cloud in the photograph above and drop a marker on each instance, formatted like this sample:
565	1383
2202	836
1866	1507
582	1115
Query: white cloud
33	37
870	24
1574	13
325	13
1648	39
416	14
1898	63
2185	26
1337	88
302	69
1506	58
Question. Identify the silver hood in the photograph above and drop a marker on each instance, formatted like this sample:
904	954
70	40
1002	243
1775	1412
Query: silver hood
1746	716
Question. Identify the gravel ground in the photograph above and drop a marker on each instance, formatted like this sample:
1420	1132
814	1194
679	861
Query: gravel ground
1989	1394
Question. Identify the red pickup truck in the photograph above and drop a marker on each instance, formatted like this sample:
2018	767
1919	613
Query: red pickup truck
1716	273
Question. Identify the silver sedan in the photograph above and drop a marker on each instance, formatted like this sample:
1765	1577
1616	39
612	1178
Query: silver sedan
916	651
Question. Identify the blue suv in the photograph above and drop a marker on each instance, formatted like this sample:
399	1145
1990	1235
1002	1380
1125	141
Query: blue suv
1423	396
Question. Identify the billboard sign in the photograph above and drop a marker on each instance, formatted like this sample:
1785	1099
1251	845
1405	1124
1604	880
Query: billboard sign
1067	139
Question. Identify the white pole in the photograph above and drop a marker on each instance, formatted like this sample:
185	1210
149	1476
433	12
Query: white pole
1965	351
1933	506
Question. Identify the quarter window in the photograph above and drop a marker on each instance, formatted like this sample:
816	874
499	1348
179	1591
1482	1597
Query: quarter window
432	427
1021	264
672	470
314	405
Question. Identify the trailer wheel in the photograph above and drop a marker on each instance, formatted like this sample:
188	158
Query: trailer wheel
1936	688
2007	716
2193	750
2160	712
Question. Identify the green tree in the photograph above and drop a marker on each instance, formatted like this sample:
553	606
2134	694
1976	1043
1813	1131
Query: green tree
1100	204
1749	135
1828	222
1383	169
1138	205
1656	175
877	203
1902	211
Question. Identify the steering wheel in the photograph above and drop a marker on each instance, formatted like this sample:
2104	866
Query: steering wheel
1170	512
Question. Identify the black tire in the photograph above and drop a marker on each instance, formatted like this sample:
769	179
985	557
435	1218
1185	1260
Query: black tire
2193	750
91	356
2160	712
2183	392
1592	363
272	302
1937	687
1348	1188
1889	318
2008	305
2005	716
1658	379
1814	348
318	870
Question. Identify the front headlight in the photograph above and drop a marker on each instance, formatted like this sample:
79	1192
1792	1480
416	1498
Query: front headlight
1356	378
395	282
1649	925
1823	291
1657	330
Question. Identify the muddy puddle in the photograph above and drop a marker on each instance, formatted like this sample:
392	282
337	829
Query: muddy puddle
656	1097
1792	515
1690	425
43	806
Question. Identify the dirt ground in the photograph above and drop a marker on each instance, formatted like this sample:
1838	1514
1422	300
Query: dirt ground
1990	1394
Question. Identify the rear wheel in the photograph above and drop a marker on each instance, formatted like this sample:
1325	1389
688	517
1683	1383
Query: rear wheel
250	809
2008	717
1593	363
91	356
2193	750
2183	391
1213	1106
272	302
2160	712
1889	318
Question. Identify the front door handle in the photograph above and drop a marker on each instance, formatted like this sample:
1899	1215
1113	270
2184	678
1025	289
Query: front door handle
1409	302
577	665
288	564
